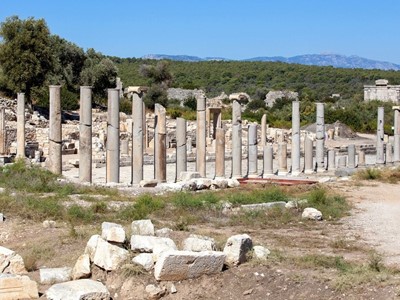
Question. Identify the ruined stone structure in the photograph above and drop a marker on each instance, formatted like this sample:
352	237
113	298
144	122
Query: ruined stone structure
382	91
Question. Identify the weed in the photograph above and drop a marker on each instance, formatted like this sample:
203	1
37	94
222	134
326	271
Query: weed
375	262
99	207
131	270
77	213
144	206
368	174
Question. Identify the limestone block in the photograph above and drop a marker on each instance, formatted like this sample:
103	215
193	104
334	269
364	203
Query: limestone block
259	206
78	289
55	275
236	249
163	232
145	260
261	252
155	292
148	183
91	246
186	176
181	265
202	183
113	232
142	227
151	244
199	243
82	267
11	262
109	256
220	183
13	287
233	182
311	214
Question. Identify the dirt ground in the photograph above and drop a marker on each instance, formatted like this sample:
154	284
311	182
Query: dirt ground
373	225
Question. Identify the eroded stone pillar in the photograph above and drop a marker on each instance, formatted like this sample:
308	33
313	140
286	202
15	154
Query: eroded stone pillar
236	151
54	163
396	145
331	160
138	137
220	153
181	148
282	154
342	162
201	137
263	139
268	161
389	154
361	158
3	131
308	156
236	113
351	154
21	125
295	138
85	134
112	174
160	143
320	138
380	134
252	151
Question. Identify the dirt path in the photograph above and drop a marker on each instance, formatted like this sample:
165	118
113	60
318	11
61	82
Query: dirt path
376	217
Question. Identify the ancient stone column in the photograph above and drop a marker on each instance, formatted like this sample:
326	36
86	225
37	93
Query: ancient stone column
160	143
220	153
181	149
396	145
295	138
3	131
85	134
217	121
331	160
54	163
351	154
138	138
389	154
320	138
21	125
268	161
263	139
236	151
380	159
201	137
308	156
252	151
112	174
236	113
361	158
342	162
282	154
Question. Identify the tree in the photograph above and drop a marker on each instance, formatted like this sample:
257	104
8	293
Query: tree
25	54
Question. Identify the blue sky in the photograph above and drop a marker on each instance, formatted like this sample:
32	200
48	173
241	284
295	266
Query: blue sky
222	28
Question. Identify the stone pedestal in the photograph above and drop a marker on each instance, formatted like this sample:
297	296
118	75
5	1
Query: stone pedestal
21	125
320	139
268	161
282	156
252	151
85	134
138	137
342	162
389	154
295	138
263	139
54	163
220	153
308	156
181	149
201	137
160	143
351	154
361	158
380	135
236	151
112	174
331	160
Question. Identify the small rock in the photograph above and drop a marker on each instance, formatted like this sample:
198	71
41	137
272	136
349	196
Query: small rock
142	227
261	252
145	260
2	218
202	183
311	214
220	183
148	183
173	289
247	292
49	224
155	292
55	275
78	289
82	267
236	249
233	182
112	232
199	243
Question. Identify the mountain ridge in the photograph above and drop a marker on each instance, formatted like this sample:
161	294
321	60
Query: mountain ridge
334	60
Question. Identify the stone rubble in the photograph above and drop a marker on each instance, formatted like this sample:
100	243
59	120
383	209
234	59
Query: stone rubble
13	287
236	249
11	262
142	227
78	289
55	275
311	214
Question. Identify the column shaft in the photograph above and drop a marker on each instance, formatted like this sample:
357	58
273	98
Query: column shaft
201	137
55	136
320	138
295	138
137	139
21	125
181	148
160	144
220	152
380	159
112	174
85	134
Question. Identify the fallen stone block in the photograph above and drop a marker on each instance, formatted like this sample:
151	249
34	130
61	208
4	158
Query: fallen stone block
11	262
14	287
181	265
145	260
78	289
220	183
236	249
55	275
151	243
148	183
311	214
202	183
109	256
163	232
260	206
142	227
91	246
82	267
186	176
233	182
113	232
199	243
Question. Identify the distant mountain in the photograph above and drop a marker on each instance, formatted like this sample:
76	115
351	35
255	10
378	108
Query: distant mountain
334	60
